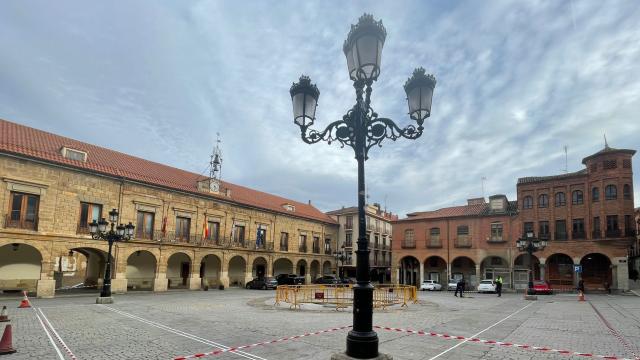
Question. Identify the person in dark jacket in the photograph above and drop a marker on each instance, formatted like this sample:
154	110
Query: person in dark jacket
460	287
581	286
499	285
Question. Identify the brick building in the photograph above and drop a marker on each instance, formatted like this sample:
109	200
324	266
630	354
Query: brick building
586	216
379	232
51	187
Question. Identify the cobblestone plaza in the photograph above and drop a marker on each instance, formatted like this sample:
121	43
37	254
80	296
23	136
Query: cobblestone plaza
143	325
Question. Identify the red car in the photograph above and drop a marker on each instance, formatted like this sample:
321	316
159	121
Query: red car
542	287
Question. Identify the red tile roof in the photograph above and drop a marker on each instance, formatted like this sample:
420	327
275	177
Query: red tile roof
38	144
454	211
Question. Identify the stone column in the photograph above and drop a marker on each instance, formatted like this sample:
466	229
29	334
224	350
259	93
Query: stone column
542	269
478	276
46	286
248	272
620	274
160	283
421	276
307	278
448	273
576	276
194	282
269	269
119	282
395	275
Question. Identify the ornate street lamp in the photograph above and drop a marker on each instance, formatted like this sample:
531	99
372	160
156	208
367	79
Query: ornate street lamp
120	232
361	129
530	244
342	256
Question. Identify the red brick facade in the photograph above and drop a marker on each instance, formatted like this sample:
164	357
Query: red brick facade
562	209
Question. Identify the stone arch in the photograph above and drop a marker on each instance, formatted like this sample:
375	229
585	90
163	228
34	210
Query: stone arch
210	267
327	268
259	267
83	266
237	269
178	270
20	267
493	266
522	267
435	268
463	266
141	270
409	271
559	270
314	269
282	266
596	270
301	267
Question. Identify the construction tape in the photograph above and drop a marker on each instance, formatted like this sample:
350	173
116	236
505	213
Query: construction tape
501	343
76	287
262	343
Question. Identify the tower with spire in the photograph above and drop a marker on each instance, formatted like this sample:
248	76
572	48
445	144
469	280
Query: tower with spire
213	182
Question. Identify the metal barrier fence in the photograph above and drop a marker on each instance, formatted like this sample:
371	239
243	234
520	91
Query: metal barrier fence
342	295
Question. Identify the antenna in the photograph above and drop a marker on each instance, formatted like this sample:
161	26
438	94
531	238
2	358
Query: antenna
483	179
566	166
606	146
385	202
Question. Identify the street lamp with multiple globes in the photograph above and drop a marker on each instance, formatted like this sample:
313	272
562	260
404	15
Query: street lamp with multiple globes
530	244
341	256
361	129
120	232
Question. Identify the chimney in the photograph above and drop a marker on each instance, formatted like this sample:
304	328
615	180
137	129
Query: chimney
475	201
309	202
228	192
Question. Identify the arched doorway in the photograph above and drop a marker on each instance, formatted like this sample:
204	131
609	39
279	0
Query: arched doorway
301	267
20	267
435	268
259	268
493	266
409	269
178	270
81	269
327	269
237	269
521	268
282	266
596	270
141	270
315	269
463	266
210	270
559	270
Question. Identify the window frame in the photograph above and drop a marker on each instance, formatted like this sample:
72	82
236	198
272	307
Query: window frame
626	192
560	199
527	202
610	192
22	222
577	197
180	228
140	227
284	236
84	227
595	194
216	225
497	231
543	201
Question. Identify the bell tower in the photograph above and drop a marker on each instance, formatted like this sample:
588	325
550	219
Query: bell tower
213	183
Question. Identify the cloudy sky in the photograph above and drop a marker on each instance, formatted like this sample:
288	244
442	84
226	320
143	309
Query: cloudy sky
517	81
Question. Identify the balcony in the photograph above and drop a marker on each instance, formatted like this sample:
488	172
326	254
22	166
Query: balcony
348	226
434	244
408	244
316	248
462	242
284	246
171	237
348	243
613	233
578	235
545	236
630	232
302	248
20	223
596	234
83	229
496	240
560	236
327	251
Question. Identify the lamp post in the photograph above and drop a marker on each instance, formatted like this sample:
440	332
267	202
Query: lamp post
341	256
531	244
361	129
120	232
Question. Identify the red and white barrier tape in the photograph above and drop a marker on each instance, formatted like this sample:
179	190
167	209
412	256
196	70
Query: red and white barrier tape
262	343
55	334
501	343
614	332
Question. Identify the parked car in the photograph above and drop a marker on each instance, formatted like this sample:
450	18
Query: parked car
327	280
486	286
290	279
263	283
452	284
542	287
430	285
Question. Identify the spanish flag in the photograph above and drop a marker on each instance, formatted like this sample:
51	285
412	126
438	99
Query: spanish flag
205	229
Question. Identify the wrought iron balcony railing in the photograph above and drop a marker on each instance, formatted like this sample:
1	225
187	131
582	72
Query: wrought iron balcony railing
578	235
21	223
613	233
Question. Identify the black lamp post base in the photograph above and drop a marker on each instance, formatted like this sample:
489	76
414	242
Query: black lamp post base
104	300
344	356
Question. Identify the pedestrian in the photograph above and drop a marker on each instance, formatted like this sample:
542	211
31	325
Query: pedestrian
607	287
499	285
581	286
460	287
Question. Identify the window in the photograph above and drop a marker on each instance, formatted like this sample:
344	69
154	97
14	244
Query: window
612	226
183	227
289	207
349	224
496	231
261	237
578	229
88	213
527	228
316	245
144	225
560	199
561	230
434	237
409	239
595	194
24	211
214	231
594	167
626	163
543	232
527	203
284	241
238	234
72	154
577	197
543	201
610	192
597	234
609	164
348	242
626	192
463	236
327	246
628	226
302	243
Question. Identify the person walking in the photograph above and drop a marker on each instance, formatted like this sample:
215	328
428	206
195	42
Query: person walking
499	285
581	286
460	288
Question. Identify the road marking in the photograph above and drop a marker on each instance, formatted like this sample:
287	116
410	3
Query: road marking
474	335
53	343
183	333
66	348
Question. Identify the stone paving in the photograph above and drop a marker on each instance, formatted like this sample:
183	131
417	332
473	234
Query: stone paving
167	325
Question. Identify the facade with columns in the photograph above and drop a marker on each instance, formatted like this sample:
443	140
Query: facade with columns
587	217
188	235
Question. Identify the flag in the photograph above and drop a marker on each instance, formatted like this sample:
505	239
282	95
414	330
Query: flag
205	229
259	236
164	222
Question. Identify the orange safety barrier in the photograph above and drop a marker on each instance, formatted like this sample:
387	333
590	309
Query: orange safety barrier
342	295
